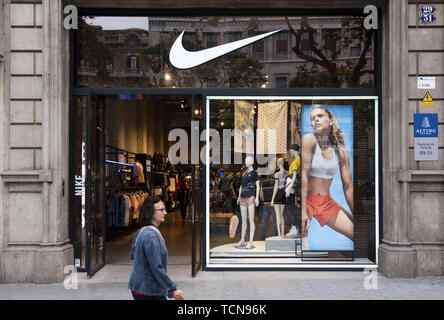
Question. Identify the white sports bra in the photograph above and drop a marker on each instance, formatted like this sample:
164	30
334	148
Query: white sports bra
321	167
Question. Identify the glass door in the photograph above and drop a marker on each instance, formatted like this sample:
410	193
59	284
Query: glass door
77	172
95	185
197	186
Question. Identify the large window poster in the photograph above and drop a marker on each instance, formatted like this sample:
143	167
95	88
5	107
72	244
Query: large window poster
327	165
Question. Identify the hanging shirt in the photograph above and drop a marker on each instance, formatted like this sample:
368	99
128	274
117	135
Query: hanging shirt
127	211
112	210
139	204
136	207
120	216
272	119
139	177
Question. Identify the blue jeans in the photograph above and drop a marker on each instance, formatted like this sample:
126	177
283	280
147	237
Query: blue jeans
267	212
291	210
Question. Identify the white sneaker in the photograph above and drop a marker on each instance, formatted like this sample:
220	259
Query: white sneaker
293	233
240	245
250	245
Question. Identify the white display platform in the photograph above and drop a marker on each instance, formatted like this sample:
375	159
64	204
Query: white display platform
282	244
229	250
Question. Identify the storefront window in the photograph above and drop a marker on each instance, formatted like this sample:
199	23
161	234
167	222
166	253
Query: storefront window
277	163
316	51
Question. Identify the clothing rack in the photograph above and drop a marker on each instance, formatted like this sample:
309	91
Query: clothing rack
120	163
129	188
118	151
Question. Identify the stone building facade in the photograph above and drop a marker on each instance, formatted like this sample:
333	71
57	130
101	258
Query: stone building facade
34	123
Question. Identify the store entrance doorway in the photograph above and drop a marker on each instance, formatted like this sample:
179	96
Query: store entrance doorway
119	156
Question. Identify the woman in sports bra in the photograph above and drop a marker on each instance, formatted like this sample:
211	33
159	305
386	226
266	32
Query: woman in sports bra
323	154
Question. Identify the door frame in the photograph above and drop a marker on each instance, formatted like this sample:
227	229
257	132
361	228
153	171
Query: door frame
196	257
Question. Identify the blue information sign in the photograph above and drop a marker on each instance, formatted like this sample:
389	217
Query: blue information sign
426	136
426	125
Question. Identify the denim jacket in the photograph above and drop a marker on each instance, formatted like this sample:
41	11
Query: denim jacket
150	260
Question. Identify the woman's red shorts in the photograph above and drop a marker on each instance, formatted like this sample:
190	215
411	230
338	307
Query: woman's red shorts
322	207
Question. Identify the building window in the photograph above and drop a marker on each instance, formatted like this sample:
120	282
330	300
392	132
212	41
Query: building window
258	50
212	83
211	39
282	46
305	44
234	36
133	41
329	38
355	51
133	63
109	67
291	120
189	40
281	82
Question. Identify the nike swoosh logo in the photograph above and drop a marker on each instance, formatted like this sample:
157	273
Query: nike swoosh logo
184	59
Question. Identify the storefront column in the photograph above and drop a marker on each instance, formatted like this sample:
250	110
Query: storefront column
33	174
396	256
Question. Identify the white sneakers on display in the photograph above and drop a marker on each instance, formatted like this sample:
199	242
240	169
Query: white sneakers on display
250	245
293	233
240	245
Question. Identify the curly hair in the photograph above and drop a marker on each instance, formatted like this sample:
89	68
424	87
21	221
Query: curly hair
147	210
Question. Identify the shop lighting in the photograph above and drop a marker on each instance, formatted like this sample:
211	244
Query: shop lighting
167	77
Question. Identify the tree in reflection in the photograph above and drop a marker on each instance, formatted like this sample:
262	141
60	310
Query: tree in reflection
93	52
235	69
326	70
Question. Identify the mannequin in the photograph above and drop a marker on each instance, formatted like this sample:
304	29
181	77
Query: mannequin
294	170
248	199
278	199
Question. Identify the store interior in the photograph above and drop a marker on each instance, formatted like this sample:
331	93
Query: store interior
137	165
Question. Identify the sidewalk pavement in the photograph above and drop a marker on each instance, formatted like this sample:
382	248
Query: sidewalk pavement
111	282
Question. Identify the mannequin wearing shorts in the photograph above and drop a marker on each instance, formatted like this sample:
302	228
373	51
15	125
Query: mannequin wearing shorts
278	201
294	170
248	200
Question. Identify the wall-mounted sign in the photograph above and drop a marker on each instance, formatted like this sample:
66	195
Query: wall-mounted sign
184	59
427	101
427	15
426	82
426	136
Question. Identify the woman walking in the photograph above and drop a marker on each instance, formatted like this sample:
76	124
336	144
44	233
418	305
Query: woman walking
149	279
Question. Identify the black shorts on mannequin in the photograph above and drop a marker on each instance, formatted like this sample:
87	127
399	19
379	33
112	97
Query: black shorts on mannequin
280	197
